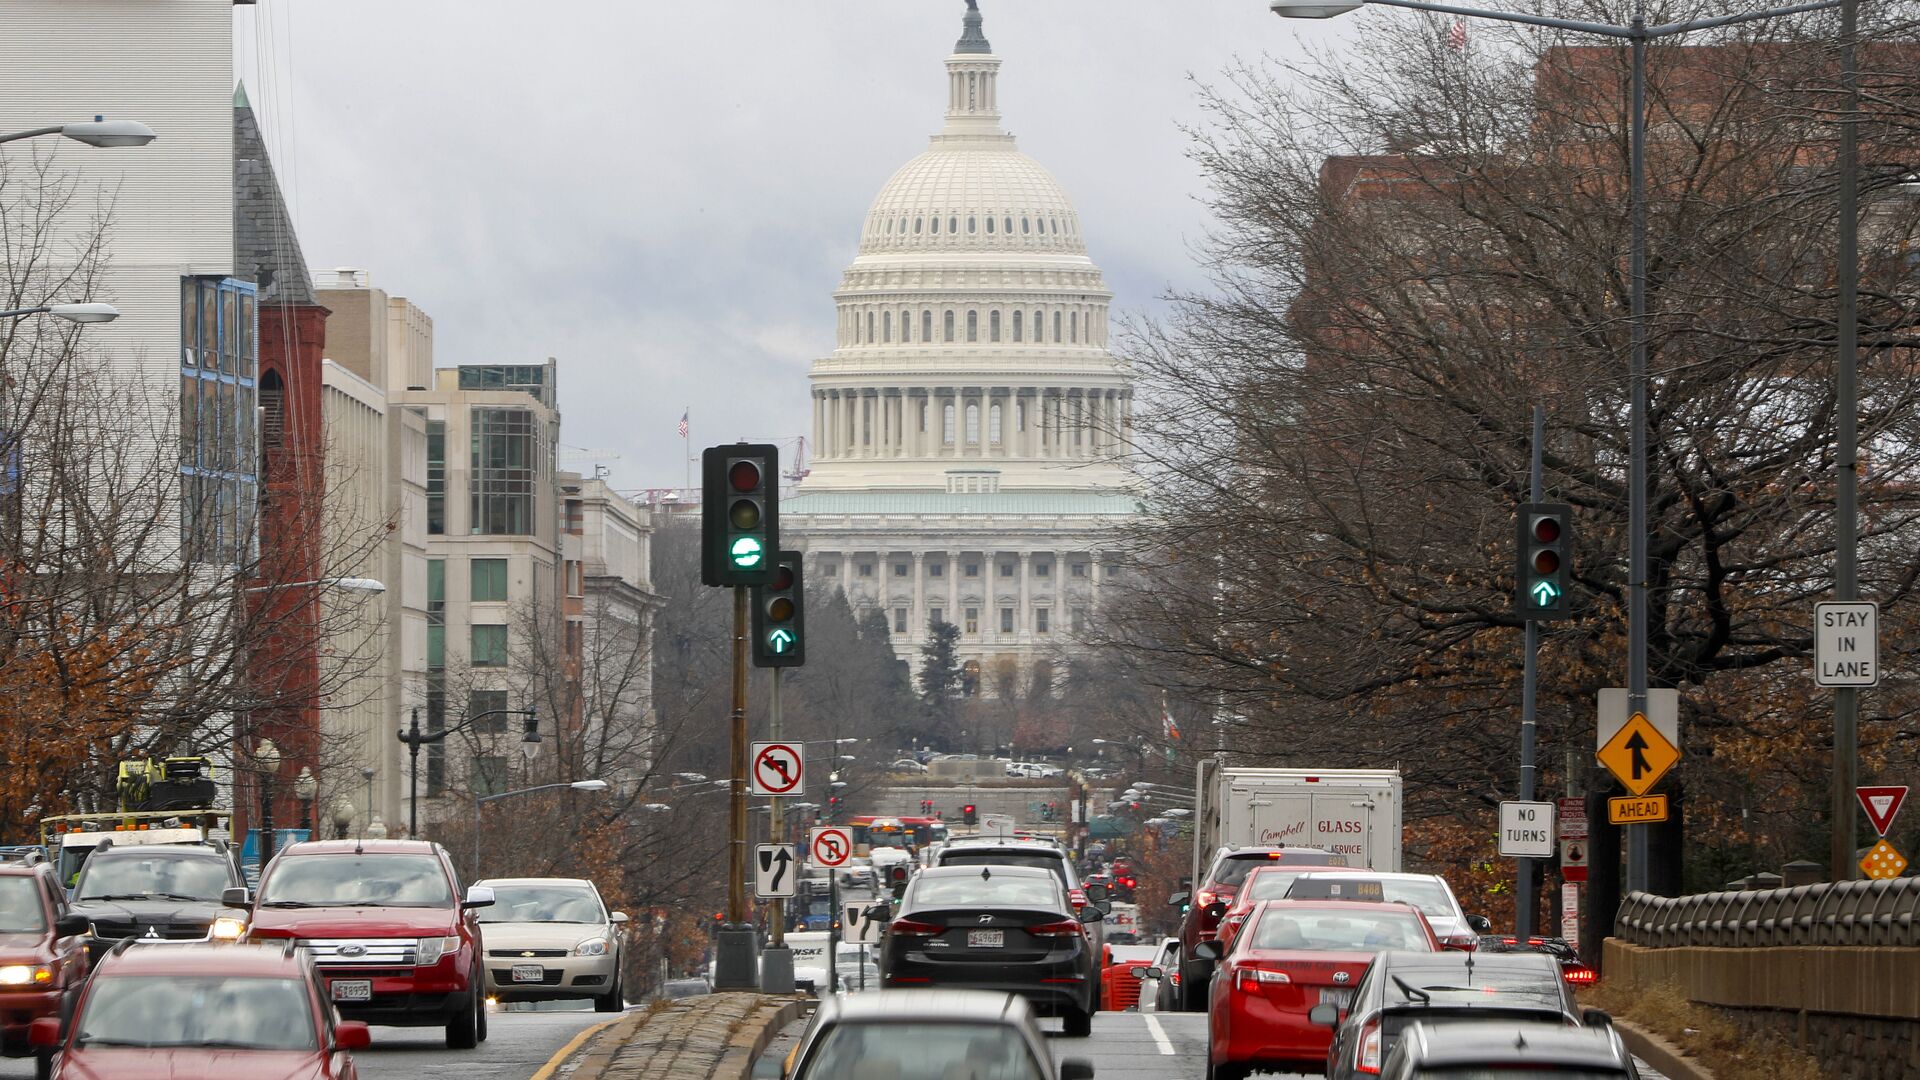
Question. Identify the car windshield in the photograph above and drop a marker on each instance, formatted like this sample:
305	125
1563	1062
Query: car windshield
22	906
1482	987
922	1050
1338	931
197	1010
973	890
365	880
1516	1072
1272	884
1234	868
158	876
1427	894
1055	863
543	903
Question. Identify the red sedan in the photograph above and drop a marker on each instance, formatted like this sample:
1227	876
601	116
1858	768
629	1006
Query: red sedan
1288	957
1263	883
215	1012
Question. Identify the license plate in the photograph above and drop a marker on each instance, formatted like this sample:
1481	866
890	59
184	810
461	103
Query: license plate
529	973
352	989
986	939
1339	999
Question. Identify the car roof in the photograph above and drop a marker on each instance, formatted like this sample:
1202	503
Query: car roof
495	882
1456	1043
1400	961
1011	845
241	961
1370	875
967	1006
1358	906
975	871
164	851
1229	850
361	847
16	869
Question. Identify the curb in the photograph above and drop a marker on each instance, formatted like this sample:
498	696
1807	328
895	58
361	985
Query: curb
594	1051
561	1055
737	1063
1660	1053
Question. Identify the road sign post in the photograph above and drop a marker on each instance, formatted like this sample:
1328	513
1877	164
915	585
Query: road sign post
1526	830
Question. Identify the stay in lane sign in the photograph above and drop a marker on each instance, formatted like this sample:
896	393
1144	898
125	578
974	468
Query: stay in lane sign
1638	754
1846	644
773	873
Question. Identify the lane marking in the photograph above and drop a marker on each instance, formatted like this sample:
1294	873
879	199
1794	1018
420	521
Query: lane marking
560	1057
1159	1035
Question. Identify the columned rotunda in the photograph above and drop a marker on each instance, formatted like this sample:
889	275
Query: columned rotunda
969	427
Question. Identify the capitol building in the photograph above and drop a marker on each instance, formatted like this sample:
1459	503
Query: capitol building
970	426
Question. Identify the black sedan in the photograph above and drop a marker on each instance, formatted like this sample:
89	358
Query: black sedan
1006	928
1404	988
1509	1052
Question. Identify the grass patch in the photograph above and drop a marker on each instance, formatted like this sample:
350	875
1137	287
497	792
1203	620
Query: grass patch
1705	1033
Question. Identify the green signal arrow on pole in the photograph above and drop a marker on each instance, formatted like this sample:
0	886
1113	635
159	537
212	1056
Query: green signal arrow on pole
1544	594
780	640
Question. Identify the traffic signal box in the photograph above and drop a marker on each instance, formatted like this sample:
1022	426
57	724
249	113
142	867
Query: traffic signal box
739	514
779	616
968	815
1543	569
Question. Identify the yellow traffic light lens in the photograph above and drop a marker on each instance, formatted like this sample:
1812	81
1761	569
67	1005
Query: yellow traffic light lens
745	514
747	553
780	609
1546	562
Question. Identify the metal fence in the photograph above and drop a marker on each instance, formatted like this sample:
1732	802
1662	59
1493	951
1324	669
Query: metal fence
1842	913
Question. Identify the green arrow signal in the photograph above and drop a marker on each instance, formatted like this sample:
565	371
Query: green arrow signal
780	640
1544	593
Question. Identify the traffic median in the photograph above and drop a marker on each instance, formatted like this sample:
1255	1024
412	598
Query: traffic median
712	1037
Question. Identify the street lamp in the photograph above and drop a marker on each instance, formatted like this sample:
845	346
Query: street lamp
344	584
414	739
97	132
1638	33
304	789
342	815
577	785
88	311
266	761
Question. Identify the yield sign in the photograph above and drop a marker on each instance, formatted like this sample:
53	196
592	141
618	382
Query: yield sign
777	768
1638	754
1882	805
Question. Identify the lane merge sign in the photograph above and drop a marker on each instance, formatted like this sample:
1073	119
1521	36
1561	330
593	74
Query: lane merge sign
1638	754
1882	805
1526	830
1637	810
1846	644
829	845
774	877
778	769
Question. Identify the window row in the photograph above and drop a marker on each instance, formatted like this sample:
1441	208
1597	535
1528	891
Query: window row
1069	324
1009	622
970	568
1032	226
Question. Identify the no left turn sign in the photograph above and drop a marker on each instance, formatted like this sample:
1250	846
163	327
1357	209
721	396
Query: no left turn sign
829	845
778	769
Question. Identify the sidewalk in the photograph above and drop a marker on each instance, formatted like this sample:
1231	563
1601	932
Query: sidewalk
715	1037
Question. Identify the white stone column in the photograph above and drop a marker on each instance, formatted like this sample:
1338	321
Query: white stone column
917	618
884	446
953	588
1093	567
846	574
1023	624
990	597
860	434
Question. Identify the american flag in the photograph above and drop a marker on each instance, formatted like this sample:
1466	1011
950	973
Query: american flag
683	423
1457	35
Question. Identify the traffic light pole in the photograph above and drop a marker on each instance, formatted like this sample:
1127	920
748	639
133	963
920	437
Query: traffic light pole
735	965
1526	900
1846	585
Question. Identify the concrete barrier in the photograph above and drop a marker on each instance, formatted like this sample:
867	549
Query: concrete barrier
715	1037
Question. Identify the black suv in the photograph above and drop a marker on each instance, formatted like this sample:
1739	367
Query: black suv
168	892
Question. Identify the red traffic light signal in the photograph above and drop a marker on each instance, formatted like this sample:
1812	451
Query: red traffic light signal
968	815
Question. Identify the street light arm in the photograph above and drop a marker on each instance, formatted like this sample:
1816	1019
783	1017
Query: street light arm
1606	29
1665	29
33	134
520	791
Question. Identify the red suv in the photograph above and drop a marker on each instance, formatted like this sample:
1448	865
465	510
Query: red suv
43	955
1231	865
387	928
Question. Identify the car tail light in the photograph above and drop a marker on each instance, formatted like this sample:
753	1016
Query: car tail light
1460	942
1079	898
1204	898
1254	980
1366	1053
1054	929
909	928
1581	976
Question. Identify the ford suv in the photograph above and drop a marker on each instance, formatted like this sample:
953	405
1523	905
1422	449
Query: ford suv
43	956
387	928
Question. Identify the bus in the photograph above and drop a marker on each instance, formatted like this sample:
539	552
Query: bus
871	831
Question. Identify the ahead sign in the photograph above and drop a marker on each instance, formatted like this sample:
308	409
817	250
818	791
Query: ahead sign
1846	648
1526	830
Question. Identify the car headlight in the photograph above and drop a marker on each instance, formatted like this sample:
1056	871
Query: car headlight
429	950
591	947
228	928
24	975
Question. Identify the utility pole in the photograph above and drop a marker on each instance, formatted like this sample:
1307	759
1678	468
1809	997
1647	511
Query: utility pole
1526	898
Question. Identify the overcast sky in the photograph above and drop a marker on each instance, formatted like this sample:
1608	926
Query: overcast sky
663	195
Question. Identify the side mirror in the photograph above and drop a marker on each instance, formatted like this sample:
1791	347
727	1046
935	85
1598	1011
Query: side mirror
1178	899
236	896
1096	894
618	918
44	1032
1324	1016
1590	1016
1207	950
1480	924
1145	973
1076	1069
71	925
1216	909
351	1035
478	896
1091	914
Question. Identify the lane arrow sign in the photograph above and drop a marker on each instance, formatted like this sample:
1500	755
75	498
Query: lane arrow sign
1882	805
1638	745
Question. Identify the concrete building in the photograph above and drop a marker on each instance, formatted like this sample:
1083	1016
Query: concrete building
969	427
608	608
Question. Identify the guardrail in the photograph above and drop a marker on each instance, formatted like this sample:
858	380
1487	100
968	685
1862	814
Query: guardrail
1846	913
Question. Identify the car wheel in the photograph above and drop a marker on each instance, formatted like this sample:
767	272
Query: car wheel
1079	1024
463	1031
613	1000
43	1064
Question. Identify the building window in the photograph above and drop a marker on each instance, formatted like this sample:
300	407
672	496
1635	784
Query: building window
1006	620
1040	621
436	477
505	470
949	324
220	448
973	620
993	425
1078	569
926	326
1006	569
487	711
830	569
273	415
947	436
489	775
973	425
866	569
436	614
899	620
973	569
1041	569
886	326
1056	328
1113	571
993	326
899	569
936	569
936	616
489	646
528	379
1073	327
489	580
1079	620
870	337
1016	325
973	326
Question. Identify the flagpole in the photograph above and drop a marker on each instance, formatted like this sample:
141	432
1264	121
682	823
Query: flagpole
687	415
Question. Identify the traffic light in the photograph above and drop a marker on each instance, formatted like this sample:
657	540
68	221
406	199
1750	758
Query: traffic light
739	514
779	616
968	815
926	807
833	808
1544	561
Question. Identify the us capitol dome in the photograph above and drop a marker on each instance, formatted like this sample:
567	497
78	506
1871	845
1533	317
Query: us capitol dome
969	428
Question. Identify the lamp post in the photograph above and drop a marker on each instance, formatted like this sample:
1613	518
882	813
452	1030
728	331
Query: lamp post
367	774
97	132
1638	33
83	312
414	739
266	762
342	815
304	789
344	584
577	785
